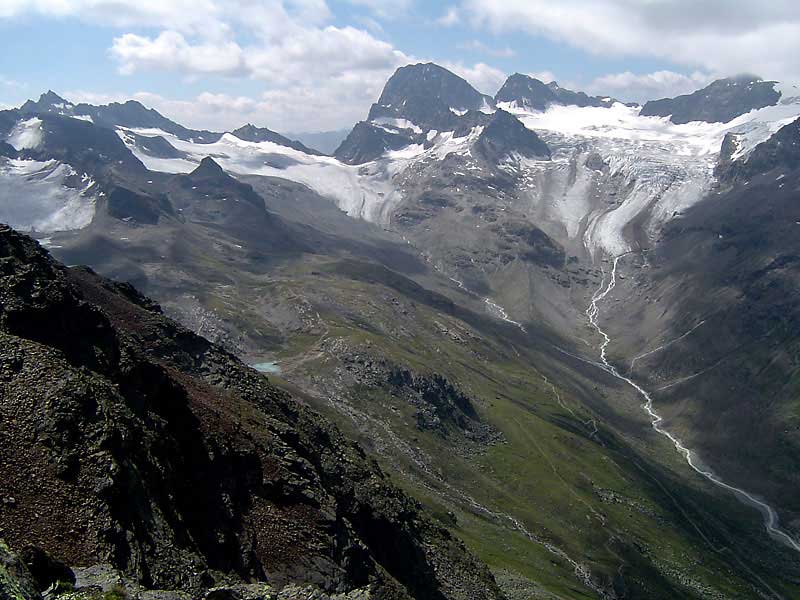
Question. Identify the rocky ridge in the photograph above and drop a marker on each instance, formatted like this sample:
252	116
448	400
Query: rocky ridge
141	445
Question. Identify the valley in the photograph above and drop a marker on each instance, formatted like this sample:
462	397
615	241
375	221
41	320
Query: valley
485	293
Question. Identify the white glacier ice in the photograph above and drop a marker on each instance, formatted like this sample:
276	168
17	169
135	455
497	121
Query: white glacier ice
34	196
26	135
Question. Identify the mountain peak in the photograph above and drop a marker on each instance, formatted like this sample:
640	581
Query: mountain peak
426	96
534	94
252	133
720	101
208	167
47	102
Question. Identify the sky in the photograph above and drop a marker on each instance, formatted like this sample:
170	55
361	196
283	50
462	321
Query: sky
317	65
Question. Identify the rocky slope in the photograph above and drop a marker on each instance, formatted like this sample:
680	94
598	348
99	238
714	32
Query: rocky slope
719	102
532	94
142	445
716	323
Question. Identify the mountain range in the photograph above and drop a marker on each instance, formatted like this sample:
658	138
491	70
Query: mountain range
536	345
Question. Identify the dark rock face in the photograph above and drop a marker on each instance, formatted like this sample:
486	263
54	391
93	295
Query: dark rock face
733	260
534	94
425	94
142	445
439	405
49	102
781	151
45	570
251	133
84	146
367	142
128	114
208	195
719	102
16	581
506	135
533	244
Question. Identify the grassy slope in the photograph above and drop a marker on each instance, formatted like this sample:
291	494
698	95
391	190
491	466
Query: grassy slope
622	502
618	506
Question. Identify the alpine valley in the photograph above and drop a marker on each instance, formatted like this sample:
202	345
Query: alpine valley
536	345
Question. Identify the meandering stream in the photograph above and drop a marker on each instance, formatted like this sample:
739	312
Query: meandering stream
768	513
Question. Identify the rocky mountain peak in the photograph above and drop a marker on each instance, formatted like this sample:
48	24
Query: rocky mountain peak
534	94
719	102
207	168
427	96
505	136
251	133
48	102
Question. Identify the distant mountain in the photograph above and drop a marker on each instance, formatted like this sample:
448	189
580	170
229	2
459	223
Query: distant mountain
324	141
719	102
134	115
251	133
418	102
129	114
529	92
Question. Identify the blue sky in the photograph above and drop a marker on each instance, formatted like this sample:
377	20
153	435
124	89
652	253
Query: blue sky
303	65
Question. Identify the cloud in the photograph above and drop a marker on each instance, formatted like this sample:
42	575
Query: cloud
630	87
450	18
385	8
484	78
544	76
479	46
170	51
188	16
719	36
296	108
11	83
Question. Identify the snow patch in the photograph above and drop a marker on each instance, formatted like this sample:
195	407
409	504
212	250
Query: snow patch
34	196
397	123
26	135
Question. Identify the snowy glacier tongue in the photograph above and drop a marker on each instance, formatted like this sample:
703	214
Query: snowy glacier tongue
26	135
646	169
363	191
34	196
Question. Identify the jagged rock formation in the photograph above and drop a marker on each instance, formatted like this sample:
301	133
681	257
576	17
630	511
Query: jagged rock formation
251	133
719	102
504	136
532	94
367	142
429	96
782	150
128	114
142	445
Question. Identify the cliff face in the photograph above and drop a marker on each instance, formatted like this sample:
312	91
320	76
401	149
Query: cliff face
128	440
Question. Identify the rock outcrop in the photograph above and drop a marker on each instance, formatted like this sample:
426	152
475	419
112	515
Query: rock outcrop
138	444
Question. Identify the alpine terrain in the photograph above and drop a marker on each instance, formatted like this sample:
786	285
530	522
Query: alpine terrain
544	344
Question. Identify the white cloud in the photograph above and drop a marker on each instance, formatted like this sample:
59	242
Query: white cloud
544	76
193	16
479	46
170	51
450	18
11	83
484	78
719	36
385	8
649	86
